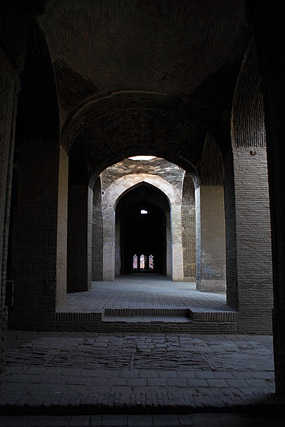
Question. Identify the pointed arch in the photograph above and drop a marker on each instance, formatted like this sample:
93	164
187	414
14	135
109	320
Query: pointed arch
110	200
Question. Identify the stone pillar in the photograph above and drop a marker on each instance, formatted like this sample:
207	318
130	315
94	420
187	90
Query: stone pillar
108	243
213	257
40	275
77	274
177	251
168	247
117	249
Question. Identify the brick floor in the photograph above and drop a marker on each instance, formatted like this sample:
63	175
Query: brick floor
134	373
147	420
138	291
49	370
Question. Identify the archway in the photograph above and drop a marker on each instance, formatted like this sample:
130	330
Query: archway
141	216
111	198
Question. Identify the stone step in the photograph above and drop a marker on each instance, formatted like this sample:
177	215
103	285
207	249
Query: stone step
146	319
166	315
146	312
165	320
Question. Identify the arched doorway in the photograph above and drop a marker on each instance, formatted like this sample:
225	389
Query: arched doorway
141	214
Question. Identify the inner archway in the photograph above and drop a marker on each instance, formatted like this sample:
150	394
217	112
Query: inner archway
141	215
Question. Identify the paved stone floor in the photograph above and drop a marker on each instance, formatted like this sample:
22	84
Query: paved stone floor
143	291
133	420
139	379
51	370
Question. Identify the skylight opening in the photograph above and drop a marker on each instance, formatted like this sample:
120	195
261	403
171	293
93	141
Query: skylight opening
142	158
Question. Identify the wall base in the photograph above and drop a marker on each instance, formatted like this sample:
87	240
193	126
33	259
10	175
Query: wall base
189	279
279	349
214	286
3	327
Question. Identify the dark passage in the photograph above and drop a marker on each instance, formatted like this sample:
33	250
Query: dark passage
142	233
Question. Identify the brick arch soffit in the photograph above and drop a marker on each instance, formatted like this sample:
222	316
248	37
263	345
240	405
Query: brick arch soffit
127	183
114	102
247	116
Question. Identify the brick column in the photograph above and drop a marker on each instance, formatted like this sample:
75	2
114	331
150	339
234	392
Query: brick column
189	229
253	272
40	276
97	233
77	253
213	257
253	245
9	85
268	19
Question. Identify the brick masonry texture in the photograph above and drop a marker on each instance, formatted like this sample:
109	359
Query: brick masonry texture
188	228
37	222
77	238
248	105
137	371
231	263
160	167
8	87
255	294
97	233
61	266
162	187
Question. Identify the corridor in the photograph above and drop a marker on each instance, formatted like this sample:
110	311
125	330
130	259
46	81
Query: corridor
145	290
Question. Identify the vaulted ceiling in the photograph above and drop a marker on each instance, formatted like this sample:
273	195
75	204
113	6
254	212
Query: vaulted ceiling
145	76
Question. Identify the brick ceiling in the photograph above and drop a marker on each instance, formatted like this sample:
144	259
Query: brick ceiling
145	76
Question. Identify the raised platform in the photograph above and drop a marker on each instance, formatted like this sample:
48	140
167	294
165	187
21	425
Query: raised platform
146	303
